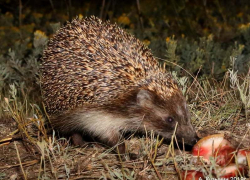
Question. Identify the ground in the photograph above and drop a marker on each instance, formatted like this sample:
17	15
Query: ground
91	162
30	151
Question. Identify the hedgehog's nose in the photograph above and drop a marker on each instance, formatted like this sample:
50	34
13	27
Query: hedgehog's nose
195	140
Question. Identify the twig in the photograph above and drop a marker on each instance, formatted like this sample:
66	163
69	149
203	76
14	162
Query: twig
139	14
18	155
102	9
28	163
153	159
248	130
195	79
157	172
8	140
106	11
173	152
120	159
158	144
70	10
20	13
172	141
20	17
52	5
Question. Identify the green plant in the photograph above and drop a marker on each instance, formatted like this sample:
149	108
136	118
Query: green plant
242	85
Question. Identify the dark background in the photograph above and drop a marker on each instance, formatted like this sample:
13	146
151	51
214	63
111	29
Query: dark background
189	22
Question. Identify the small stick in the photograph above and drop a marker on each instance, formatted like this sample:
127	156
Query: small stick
18	155
119	155
157	172
52	5
20	13
29	163
102	10
140	16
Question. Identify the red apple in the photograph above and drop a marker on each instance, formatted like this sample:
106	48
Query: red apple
241	157
231	171
214	146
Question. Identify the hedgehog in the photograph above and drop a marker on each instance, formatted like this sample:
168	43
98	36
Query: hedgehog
99	80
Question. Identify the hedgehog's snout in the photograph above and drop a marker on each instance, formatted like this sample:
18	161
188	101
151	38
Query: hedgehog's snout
188	134
195	140
191	138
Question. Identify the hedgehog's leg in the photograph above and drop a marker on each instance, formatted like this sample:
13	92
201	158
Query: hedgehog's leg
77	139
69	127
114	138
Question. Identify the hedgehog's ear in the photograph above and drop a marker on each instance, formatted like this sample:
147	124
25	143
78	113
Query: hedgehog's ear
145	98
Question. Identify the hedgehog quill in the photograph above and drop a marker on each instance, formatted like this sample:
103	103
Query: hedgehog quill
100	80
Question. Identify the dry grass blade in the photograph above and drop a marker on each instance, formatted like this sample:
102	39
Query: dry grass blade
21	166
25	164
194	78
5	141
152	159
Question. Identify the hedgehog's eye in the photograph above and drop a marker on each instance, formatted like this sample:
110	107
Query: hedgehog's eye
169	119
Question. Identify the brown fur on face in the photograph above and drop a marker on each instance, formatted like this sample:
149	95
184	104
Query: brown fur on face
152	113
158	112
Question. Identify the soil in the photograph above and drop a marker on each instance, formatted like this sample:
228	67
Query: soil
85	162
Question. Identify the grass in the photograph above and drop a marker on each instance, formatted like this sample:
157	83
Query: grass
216	107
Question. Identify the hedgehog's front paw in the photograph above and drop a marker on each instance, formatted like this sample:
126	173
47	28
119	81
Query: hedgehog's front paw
77	140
